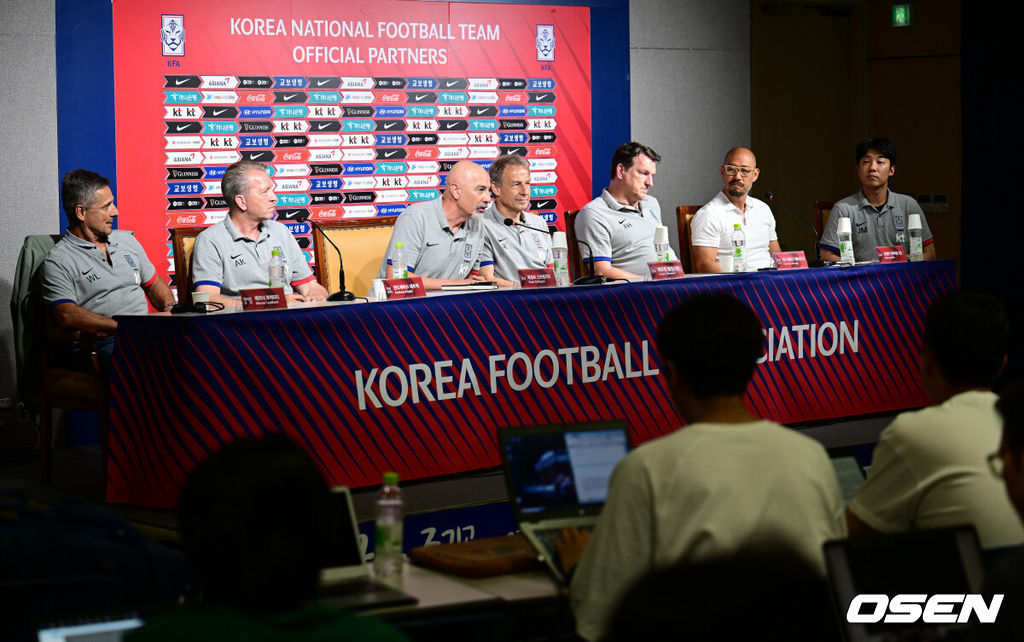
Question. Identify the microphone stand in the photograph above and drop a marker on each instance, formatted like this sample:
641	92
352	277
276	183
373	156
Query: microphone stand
770	197
342	294
590	279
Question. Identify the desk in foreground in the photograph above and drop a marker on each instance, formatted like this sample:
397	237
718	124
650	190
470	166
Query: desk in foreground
420	386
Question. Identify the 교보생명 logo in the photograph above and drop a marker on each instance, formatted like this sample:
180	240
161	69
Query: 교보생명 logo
545	43
172	34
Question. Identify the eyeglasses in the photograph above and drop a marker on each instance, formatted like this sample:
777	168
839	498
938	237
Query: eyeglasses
742	170
995	464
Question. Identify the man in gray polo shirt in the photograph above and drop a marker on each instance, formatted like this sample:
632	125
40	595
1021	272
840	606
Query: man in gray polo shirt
619	224
443	238
510	248
235	254
878	216
95	271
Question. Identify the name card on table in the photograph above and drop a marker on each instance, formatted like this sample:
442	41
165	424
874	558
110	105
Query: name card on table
664	270
790	260
536	278
263	299
890	254
410	288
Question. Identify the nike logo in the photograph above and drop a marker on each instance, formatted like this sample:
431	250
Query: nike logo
235	257
389	125
180	81
289	96
256	156
451	83
218	112
419	96
481	111
182	127
450	125
390	154
84	272
321	83
323	125
541	96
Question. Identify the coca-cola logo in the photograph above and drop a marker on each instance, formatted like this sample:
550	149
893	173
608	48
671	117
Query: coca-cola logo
188	220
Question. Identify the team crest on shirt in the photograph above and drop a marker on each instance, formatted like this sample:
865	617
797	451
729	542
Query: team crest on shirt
130	261
900	221
467	253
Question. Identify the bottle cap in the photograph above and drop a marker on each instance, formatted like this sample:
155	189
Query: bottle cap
275	252
914	222
736	226
844	225
399	244
660	235
558	241
391	478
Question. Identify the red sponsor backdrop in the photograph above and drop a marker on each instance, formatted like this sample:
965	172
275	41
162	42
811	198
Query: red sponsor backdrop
192	55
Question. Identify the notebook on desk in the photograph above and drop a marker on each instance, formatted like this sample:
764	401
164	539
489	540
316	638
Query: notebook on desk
557	476
345	580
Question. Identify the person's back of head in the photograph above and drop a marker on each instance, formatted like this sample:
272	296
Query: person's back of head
714	342
252	522
763	593
968	334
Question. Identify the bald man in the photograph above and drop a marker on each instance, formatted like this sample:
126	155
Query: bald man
442	238
713	225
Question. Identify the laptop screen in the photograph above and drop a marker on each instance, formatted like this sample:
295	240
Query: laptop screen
561	470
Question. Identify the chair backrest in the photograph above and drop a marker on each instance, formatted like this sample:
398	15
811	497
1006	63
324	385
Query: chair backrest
363	243
684	215
821	211
576	267
183	239
25	298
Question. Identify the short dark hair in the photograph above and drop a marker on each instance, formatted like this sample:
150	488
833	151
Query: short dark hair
627	153
969	334
714	341
885	148
1011	407
500	164
252	519
78	187
234	180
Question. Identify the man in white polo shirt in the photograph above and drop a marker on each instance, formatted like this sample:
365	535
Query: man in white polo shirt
442	238
510	248
95	271
712	227
235	254
619	224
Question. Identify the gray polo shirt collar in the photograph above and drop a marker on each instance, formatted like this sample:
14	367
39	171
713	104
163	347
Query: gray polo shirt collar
238	236
867	206
613	204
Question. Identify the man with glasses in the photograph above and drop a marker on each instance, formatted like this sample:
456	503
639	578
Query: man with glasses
929	467
878	216
619	224
713	226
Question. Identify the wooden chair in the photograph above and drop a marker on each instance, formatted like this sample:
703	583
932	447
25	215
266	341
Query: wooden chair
363	243
576	266
183	239
821	211
684	216
42	382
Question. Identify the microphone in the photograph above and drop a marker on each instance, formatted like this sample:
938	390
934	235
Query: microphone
770	197
342	294
590	279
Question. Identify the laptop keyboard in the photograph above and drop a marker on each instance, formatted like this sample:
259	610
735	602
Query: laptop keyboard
547	536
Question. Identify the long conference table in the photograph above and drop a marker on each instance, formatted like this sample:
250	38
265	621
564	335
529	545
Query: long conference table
420	386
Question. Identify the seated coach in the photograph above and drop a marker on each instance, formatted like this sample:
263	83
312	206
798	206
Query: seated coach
619	224
235	254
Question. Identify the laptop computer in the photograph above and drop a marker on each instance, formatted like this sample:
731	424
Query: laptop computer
345	580
945	561
557	476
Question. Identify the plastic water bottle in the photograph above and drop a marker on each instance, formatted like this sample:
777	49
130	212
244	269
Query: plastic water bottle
661	246
916	235
739	242
387	541
276	269
560	256
844	232
399	268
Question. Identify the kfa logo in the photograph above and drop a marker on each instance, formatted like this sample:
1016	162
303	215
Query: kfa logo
545	43
905	608
172	34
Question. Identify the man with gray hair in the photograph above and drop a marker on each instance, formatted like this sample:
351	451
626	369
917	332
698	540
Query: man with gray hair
235	254
512	246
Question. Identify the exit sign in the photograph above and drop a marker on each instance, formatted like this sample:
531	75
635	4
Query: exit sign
901	15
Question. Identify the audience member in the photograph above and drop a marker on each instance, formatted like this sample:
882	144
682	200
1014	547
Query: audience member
253	525
928	468
726	481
